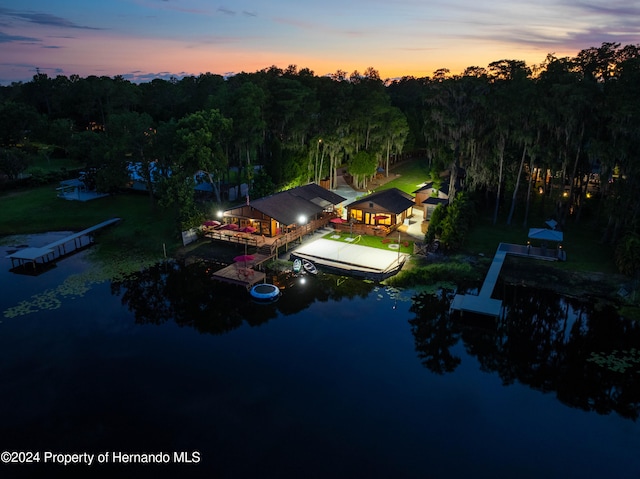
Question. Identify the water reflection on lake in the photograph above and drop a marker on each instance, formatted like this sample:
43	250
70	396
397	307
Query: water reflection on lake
340	378
580	351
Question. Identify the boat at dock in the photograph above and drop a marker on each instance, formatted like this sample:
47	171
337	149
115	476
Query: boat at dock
309	267
297	265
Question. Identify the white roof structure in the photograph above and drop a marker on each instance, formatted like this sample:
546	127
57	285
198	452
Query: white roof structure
545	234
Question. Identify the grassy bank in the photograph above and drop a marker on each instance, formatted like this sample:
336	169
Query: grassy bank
581	242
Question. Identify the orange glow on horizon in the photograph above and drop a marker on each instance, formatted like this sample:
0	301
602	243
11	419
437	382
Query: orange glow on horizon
147	57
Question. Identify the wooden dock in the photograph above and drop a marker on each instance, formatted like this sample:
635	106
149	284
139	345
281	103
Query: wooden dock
47	253
239	275
483	303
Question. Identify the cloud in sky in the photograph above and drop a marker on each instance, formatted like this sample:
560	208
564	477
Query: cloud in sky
5	38
404	37
44	19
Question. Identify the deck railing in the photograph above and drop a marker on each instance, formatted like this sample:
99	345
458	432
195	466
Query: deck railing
271	243
231	237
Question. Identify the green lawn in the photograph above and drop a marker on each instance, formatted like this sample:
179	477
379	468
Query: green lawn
407	176
41	163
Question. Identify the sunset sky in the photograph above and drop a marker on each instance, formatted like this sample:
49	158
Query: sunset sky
146	39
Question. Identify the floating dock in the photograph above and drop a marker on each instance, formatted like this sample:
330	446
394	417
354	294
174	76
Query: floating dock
239	275
351	259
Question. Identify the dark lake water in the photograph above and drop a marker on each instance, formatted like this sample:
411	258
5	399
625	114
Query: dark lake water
338	379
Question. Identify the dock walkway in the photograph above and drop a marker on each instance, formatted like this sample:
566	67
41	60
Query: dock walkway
48	252
483	303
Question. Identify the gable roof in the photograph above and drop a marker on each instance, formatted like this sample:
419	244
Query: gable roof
545	234
426	186
435	201
317	194
286	207
444	187
392	200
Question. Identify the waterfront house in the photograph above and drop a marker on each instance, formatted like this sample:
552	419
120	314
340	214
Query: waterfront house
281	212
380	212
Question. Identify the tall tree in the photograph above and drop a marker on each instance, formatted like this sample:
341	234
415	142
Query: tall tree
394	131
507	77
202	138
247	112
362	166
131	136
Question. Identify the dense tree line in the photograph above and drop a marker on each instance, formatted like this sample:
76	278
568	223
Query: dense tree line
506	125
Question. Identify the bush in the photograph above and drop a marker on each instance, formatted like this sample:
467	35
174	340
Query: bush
457	222
435	223
627	254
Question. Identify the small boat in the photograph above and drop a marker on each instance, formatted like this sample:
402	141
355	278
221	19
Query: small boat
265	292
309	267
297	265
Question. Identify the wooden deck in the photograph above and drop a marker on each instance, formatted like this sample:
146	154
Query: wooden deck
239	275
483	303
48	253
268	246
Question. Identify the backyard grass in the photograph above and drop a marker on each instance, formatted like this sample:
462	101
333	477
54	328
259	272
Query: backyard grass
46	165
406	176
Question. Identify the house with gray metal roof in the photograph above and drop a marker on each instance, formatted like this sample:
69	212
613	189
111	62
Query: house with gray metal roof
387	208
280	212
